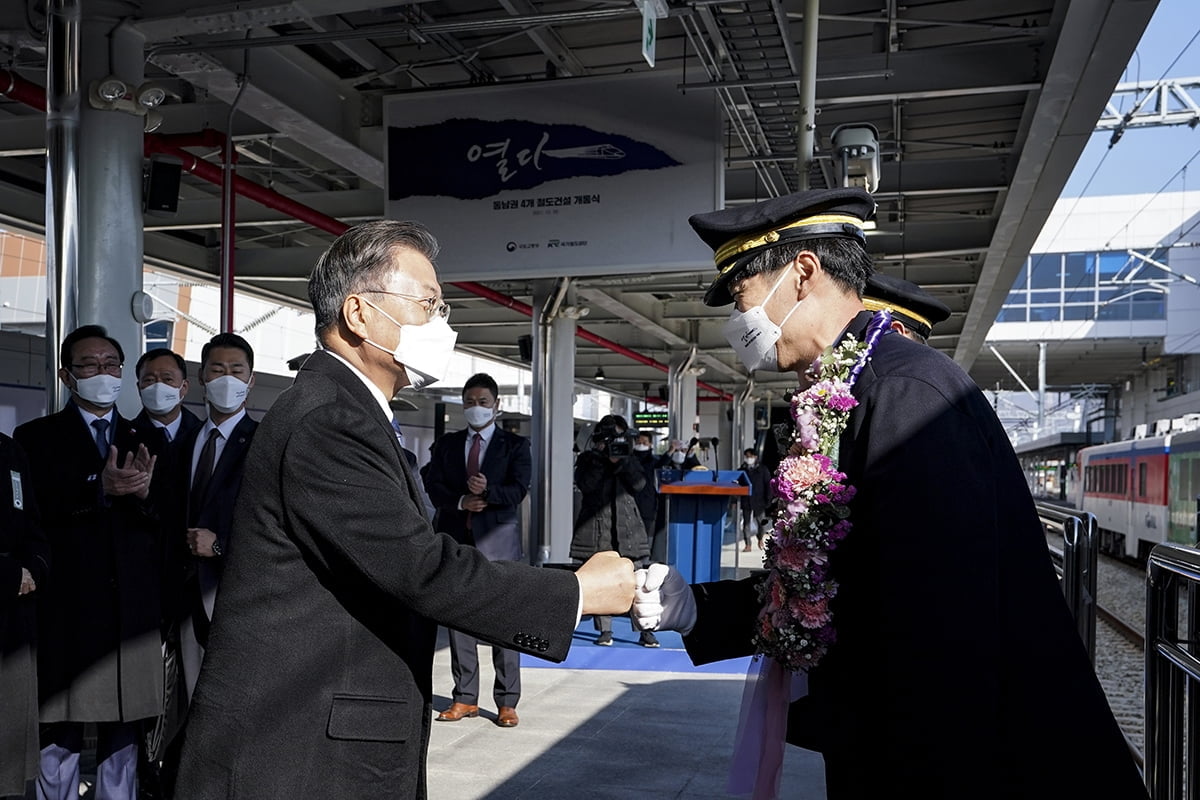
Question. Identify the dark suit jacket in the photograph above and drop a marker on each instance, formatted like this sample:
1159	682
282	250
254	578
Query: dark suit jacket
169	504
507	464
215	512
156	440
99	646
317	681
957	667
22	546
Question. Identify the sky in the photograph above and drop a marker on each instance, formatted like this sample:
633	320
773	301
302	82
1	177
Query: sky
1149	159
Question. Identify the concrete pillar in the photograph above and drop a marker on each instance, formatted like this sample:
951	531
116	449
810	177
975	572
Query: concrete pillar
552	500
110	187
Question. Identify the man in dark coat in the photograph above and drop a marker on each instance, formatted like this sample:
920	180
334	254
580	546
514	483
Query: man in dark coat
317	681
754	507
163	385
99	644
608	479
956	671
209	477
24	565
477	478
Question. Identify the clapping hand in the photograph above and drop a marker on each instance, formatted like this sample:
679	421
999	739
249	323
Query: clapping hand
130	477
27	582
662	601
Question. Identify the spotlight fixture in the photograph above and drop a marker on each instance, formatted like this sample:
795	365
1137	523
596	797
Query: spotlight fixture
600	373
150	94
111	89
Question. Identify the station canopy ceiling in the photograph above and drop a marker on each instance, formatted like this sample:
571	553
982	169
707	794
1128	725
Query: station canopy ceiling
982	109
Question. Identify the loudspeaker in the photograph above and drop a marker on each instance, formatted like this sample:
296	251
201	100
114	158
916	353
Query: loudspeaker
160	194
525	346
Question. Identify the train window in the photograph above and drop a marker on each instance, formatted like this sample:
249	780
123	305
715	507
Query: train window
1142	479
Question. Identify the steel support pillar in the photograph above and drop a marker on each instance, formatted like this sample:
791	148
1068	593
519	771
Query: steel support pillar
110	186
552	498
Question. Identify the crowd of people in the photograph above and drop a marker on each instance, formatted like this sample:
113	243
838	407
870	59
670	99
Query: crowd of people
290	569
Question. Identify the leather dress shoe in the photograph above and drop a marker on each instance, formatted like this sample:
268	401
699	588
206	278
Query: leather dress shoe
507	717
457	711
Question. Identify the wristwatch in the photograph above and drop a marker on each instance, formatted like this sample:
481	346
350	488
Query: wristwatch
216	548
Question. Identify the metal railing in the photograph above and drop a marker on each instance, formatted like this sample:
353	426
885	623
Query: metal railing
1170	662
1076	563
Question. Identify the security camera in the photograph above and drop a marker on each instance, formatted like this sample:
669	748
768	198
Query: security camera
856	150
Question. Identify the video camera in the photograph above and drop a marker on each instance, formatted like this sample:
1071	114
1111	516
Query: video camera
616	442
618	447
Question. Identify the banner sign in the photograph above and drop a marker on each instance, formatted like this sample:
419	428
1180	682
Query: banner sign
575	176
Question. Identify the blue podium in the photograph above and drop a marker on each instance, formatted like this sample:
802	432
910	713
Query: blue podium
699	501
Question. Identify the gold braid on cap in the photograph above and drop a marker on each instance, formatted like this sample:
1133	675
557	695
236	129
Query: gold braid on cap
726	256
872	304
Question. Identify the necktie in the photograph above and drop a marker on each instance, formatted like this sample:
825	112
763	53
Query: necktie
204	469
473	466
399	433
101	426
473	456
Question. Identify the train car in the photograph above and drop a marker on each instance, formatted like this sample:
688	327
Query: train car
1143	492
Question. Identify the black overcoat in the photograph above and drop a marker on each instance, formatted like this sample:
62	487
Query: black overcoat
99	645
957	671
609	517
22	546
317	681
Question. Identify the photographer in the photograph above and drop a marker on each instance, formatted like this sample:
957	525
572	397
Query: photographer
609	480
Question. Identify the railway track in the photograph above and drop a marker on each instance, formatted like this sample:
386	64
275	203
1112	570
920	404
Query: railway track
1123	629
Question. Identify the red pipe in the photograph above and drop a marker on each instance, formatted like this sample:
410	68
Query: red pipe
33	95
21	90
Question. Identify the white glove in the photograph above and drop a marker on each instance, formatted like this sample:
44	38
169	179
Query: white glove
662	600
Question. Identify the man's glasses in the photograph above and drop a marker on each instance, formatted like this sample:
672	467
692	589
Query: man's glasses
434	306
88	369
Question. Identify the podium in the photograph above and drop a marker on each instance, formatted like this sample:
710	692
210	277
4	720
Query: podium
699	501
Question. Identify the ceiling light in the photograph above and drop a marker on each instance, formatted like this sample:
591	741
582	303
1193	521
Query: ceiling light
151	94
111	89
600	373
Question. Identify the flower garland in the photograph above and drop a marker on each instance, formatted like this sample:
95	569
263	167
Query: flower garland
795	626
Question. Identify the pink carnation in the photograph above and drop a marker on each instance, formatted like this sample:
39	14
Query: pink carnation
798	473
800	557
810	613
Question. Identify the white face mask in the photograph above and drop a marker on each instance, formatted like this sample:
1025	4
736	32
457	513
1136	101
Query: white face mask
642	448
226	394
423	350
678	457
99	390
478	416
751	461
753	336
160	398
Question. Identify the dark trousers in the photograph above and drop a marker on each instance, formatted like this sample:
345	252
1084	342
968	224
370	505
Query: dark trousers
464	667
116	761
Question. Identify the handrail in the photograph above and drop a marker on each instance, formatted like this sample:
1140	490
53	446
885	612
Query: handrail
1079	555
1168	666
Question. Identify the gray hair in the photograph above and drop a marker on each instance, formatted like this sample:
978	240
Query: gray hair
844	260
359	259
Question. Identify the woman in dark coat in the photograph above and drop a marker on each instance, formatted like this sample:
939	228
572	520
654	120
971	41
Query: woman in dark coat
609	481
24	565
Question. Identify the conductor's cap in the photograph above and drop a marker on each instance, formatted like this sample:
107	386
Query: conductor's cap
738	234
907	301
